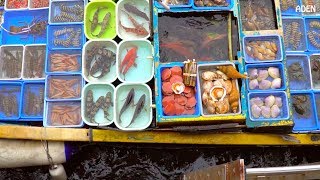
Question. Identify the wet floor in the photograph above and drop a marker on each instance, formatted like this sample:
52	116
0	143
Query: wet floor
129	161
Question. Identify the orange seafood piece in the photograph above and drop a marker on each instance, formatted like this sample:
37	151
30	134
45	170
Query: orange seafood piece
166	74
190	94
175	79
189	111
187	90
168	100
179	109
166	88
180	99
191	102
176	70
170	109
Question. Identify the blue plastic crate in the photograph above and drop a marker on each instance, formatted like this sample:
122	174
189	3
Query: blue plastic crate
25	18
272	38
265	67
315	83
68	31
317	106
55	11
47	122
287	31
309	29
160	96
79	83
48	67
304	84
13	90
304	123
158	5
211	8
34	87
284	114
291	11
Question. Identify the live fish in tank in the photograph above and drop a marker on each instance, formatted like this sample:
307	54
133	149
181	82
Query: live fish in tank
95	21
129	7
139	107
137	29
104	25
129	60
129	100
103	102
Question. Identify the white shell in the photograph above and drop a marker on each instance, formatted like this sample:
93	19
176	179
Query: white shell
223	96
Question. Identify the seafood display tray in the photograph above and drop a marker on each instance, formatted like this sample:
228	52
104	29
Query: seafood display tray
290	10
11	100
229	6
312	47
55	11
34	88
290	35
188	5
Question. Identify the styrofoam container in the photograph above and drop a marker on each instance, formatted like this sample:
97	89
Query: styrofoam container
158	5
98	89
77	77
15	89
284	115
315	84
123	15
6	8
210	8
304	84
53	28
305	123
76	52
55	10
160	111
143	72
25	61
110	76
275	38
291	11
303	44
265	66
8	47
23	19
31	7
144	119
34	87
48	111
311	47
205	67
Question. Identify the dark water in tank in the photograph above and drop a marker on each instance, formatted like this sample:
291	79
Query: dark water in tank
195	35
161	162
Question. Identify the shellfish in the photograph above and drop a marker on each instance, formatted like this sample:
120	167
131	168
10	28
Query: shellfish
178	87
218	93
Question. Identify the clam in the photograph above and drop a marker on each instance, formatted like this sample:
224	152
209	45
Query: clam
266	111
253	73
255	111
270	101
253	84
218	93
263	74
274	72
275	111
265	84
207	85
257	101
178	87
278	102
276	83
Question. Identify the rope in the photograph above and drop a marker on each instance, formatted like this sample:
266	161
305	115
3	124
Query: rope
45	145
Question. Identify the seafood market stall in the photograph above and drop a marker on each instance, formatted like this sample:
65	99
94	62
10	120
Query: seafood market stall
228	72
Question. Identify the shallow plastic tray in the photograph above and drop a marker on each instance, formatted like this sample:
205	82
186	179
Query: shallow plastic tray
55	11
305	123
159	89
275	38
202	68
228	7
311	47
144	70
17	88
77	52
158	5
90	9
53	28
80	83
143	6
291	11
14	9
144	120
304	84
314	83
303	44
26	61
48	107
24	18
284	115
98	90
109	77
16	66
31	6
265	66
34	87
317	103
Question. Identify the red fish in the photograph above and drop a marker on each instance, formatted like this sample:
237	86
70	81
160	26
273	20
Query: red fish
210	38
179	48
129	60
138	28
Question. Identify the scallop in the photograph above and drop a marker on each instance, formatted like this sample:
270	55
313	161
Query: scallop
255	111
266	111
270	101
275	111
